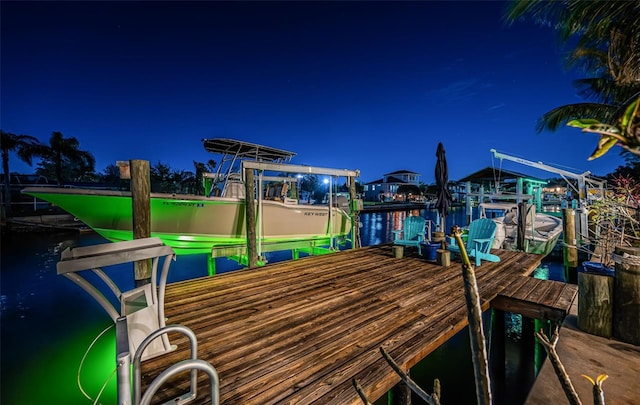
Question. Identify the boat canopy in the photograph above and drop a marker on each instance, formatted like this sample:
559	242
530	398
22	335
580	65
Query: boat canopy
247	150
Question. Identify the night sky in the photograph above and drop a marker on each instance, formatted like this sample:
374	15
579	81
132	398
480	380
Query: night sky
372	86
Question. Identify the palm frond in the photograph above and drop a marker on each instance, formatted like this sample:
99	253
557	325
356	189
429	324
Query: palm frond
592	60
605	90
558	117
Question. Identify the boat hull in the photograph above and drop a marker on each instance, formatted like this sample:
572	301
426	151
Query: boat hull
195	224
539	239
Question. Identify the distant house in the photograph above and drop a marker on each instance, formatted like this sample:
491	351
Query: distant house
386	188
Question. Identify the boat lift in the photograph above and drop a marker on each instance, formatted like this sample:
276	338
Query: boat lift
584	181
141	332
240	251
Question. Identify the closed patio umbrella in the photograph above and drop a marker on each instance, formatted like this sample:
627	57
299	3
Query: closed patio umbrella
443	201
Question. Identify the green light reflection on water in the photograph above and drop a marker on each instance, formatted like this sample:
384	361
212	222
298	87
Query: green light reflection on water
51	377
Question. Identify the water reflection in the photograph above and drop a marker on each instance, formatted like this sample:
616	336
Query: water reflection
378	227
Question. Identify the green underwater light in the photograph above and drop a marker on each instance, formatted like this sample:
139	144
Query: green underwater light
52	377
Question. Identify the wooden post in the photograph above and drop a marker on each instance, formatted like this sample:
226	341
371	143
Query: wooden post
398	251
626	295
570	250
141	214
355	227
528	348
595	303
400	394
476	332
498	354
250	207
522	225
443	257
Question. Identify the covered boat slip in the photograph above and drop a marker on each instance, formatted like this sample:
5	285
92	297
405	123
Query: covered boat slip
300	332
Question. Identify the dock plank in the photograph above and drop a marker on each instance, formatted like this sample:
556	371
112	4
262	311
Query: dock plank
298	332
583	353
537	299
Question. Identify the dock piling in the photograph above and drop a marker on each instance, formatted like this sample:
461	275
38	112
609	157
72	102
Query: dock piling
626	295
570	250
141	214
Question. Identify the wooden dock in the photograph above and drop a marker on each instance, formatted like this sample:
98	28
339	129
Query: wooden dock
583	353
299	332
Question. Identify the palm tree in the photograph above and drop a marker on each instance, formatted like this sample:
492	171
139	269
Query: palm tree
65	151
608	49
200	169
26	147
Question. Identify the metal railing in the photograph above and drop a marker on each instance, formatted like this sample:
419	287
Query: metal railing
143	309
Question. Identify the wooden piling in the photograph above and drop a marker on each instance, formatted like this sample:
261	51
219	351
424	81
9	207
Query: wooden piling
355	227
497	352
595	303
626	293
141	210
522	225
529	347
249	186
400	394
570	251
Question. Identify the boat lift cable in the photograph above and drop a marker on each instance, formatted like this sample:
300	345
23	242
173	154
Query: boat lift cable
496	180
84	357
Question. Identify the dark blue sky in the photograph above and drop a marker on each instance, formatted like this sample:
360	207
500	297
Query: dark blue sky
372	86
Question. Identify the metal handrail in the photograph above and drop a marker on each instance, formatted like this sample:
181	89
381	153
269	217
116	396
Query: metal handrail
179	368
192	364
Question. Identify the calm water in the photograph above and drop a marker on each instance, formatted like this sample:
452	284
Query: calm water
48	323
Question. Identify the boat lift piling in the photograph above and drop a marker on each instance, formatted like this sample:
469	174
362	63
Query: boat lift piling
250	218
355	208
138	172
249	180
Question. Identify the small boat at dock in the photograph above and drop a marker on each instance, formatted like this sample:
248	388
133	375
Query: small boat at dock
540	232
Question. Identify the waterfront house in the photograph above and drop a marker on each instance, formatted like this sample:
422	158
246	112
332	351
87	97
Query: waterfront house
386	188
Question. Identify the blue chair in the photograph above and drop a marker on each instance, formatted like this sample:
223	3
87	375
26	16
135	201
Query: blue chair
481	234
412	233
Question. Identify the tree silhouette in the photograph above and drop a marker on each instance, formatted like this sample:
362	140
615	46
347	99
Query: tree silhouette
26	147
66	159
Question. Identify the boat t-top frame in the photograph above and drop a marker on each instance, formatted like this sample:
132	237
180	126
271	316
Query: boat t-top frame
247	150
234	152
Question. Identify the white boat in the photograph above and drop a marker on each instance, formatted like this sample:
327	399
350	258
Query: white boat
199	223
540	232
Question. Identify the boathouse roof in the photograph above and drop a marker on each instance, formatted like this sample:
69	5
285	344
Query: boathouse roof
401	172
491	174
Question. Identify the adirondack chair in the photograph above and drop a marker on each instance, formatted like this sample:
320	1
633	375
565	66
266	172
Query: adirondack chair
412	233
481	234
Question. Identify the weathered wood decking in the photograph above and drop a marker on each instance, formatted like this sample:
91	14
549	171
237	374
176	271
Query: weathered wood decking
537	299
298	332
583	353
